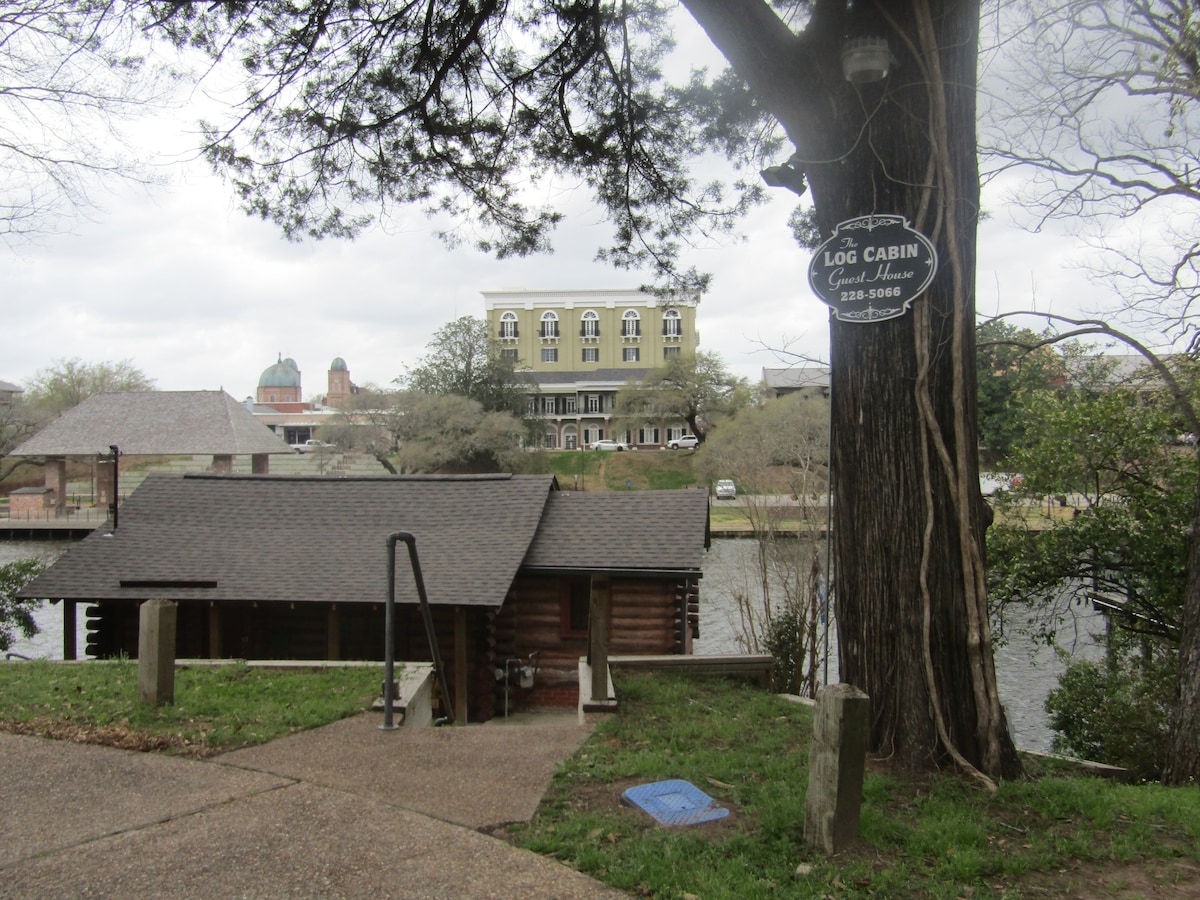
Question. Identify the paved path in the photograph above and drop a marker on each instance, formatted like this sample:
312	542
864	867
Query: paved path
341	811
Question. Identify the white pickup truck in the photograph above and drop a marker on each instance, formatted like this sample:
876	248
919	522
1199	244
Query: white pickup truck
311	446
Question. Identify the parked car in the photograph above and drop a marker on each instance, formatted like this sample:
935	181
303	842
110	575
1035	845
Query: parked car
608	445
726	489
686	442
312	446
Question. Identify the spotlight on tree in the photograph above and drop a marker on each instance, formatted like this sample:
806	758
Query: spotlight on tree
785	175
866	59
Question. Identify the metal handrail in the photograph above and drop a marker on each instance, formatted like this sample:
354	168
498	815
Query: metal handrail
389	627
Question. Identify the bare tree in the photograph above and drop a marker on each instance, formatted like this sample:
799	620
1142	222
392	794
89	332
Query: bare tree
57	388
1098	108
71	73
778	453
17	422
1094	107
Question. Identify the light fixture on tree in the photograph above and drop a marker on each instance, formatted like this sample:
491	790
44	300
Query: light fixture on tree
866	59
786	175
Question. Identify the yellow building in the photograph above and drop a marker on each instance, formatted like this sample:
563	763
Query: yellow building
581	347
581	331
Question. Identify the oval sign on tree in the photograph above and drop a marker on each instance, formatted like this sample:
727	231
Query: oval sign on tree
872	268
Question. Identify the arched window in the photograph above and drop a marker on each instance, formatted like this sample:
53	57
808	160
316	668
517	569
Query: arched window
672	324
549	324
589	326
508	325
631	324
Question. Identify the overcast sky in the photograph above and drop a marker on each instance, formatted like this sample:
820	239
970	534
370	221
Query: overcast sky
198	296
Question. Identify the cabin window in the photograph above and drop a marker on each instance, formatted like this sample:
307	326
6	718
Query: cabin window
575	606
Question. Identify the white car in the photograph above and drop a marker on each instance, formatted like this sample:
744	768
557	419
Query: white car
726	490
608	445
685	442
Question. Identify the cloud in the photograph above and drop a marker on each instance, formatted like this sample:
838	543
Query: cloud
198	295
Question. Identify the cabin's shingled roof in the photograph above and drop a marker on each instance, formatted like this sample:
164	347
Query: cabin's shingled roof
622	530
264	538
155	423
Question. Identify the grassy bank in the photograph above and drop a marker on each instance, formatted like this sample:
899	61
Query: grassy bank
596	470
1055	835
217	708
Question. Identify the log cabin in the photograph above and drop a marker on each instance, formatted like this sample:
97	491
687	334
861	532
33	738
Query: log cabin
278	567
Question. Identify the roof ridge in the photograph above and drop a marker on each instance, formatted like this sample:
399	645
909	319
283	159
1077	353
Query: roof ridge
241	476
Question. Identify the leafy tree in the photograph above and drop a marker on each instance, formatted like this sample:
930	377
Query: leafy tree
17	615
1011	380
443	433
697	389
369	421
1177	386
60	387
1112	451
72	72
465	360
351	107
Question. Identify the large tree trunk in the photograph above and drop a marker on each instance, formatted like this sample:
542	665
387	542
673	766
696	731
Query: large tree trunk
1183	750
908	515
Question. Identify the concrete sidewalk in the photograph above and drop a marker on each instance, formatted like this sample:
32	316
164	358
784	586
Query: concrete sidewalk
341	811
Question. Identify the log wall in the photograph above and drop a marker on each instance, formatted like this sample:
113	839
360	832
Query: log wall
647	617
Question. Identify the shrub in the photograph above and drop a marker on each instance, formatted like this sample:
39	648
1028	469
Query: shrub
1116	712
17	615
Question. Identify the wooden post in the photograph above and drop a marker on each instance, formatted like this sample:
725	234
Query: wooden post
214	631
156	651
598	637
460	665
70	651
837	759
333	643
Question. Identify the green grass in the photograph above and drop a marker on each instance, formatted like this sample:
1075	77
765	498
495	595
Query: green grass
649	470
596	470
216	708
940	837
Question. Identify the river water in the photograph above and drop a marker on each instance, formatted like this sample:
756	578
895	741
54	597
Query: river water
1026	671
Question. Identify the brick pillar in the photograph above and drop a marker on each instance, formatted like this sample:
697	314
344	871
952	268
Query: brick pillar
56	480
260	464
222	463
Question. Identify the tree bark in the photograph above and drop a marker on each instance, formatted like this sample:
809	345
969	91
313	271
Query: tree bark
908	515
1183	750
